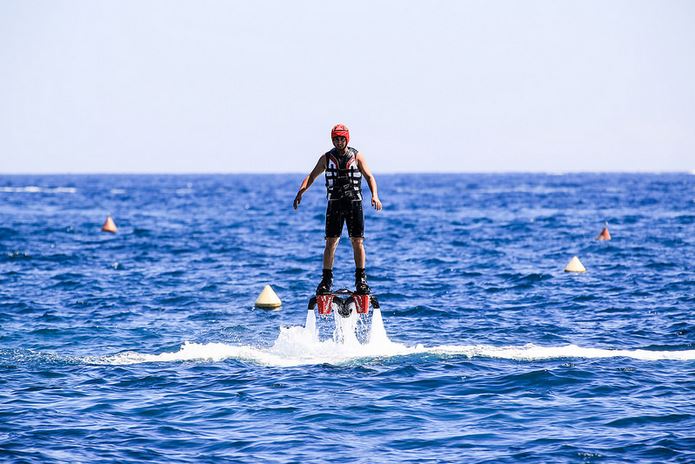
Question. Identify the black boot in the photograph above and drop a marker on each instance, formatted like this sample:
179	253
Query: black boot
326	282
361	286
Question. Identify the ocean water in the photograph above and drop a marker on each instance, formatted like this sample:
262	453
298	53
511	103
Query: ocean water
145	346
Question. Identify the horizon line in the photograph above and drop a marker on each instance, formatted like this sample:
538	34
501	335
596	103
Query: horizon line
256	173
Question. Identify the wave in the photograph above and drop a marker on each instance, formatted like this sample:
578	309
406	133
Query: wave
36	189
531	352
326	352
299	346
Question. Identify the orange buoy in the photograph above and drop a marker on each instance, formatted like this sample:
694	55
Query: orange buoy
109	225
604	235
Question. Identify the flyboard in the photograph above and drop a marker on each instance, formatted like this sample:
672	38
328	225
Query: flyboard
344	302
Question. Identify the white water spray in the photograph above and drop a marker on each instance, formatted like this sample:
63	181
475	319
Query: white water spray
310	324
377	335
298	346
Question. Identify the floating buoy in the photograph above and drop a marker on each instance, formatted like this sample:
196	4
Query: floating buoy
268	299
575	265
109	225
604	235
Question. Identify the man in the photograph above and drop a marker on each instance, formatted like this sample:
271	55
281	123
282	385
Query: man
344	167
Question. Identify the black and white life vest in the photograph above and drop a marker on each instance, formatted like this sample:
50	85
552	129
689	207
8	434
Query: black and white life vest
343	177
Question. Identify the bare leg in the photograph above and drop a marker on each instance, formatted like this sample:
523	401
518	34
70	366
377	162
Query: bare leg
358	251
329	252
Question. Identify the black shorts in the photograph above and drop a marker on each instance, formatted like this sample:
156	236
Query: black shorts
340	211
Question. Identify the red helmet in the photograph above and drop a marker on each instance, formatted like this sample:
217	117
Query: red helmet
340	130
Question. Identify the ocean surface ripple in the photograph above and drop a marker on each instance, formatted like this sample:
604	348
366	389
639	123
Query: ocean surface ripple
146	346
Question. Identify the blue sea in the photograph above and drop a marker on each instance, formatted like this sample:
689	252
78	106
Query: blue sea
145	345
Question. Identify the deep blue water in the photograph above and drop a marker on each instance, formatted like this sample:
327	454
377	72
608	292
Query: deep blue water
145	345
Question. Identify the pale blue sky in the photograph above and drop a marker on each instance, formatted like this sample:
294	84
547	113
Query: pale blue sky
254	86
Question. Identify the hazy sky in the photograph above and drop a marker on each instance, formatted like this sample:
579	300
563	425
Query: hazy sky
255	86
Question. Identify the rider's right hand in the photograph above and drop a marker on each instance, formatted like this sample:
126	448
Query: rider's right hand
297	200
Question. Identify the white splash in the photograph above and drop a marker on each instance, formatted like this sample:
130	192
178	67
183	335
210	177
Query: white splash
531	352
299	346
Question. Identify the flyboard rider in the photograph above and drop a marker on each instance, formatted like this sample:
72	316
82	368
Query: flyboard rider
344	166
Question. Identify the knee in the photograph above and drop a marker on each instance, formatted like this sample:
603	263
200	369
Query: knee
332	242
357	241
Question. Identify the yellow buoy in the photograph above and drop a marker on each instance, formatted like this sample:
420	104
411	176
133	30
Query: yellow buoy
575	265
109	225
268	299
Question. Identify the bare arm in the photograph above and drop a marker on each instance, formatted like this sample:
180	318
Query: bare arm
308	180
371	181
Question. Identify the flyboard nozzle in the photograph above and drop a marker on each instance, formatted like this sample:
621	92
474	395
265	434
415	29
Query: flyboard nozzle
268	299
109	225
604	235
575	265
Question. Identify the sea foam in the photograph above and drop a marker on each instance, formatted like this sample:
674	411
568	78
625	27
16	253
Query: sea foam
299	346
